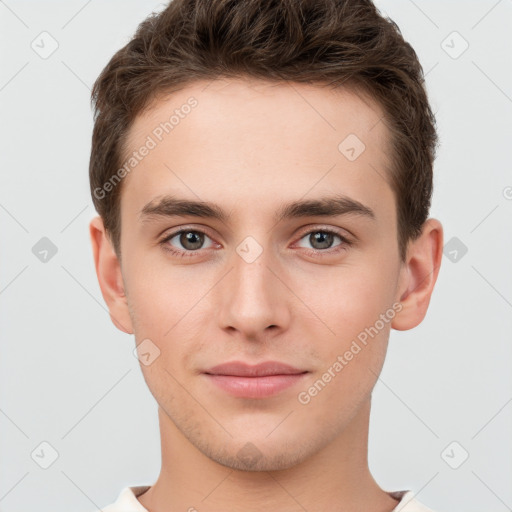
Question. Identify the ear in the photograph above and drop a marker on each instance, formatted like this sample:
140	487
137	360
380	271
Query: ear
418	276
110	279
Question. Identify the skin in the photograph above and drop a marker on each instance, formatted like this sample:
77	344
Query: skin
250	146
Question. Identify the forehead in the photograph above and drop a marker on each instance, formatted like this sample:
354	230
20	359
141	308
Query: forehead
244	106
241	140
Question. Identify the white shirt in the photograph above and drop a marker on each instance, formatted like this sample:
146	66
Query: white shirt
127	501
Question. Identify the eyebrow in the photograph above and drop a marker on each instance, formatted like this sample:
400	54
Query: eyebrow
331	206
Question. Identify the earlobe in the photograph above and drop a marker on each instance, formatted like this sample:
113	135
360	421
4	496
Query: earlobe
110	279
418	276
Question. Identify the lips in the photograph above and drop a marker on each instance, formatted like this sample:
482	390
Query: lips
241	369
260	381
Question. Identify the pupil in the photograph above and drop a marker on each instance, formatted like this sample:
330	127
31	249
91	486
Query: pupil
191	238
323	238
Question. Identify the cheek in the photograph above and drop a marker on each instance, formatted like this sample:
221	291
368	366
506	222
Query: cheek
355	309
348	299
353	348
169	307
160	297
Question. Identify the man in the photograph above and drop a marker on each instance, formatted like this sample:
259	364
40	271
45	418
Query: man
263	175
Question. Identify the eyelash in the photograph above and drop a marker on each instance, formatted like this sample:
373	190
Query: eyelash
315	252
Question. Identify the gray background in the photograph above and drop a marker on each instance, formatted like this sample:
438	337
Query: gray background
69	378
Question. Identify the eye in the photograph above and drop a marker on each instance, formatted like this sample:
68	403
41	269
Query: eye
322	240
188	241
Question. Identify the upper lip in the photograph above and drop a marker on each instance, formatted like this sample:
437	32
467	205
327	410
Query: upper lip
241	369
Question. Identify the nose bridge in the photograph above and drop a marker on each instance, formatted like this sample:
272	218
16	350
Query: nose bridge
252	296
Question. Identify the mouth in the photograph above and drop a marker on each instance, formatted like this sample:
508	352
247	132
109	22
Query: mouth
259	381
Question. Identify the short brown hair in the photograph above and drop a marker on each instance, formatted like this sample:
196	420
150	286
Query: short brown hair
333	42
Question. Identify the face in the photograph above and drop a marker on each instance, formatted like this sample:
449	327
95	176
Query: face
253	279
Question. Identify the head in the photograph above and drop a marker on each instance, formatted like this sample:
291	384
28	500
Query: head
302	133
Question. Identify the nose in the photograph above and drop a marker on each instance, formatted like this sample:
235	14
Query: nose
254	301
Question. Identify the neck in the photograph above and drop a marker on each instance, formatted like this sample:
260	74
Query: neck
335	478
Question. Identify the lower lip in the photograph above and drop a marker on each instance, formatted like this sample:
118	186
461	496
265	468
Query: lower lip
255	387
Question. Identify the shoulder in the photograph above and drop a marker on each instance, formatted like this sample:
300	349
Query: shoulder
126	501
409	503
